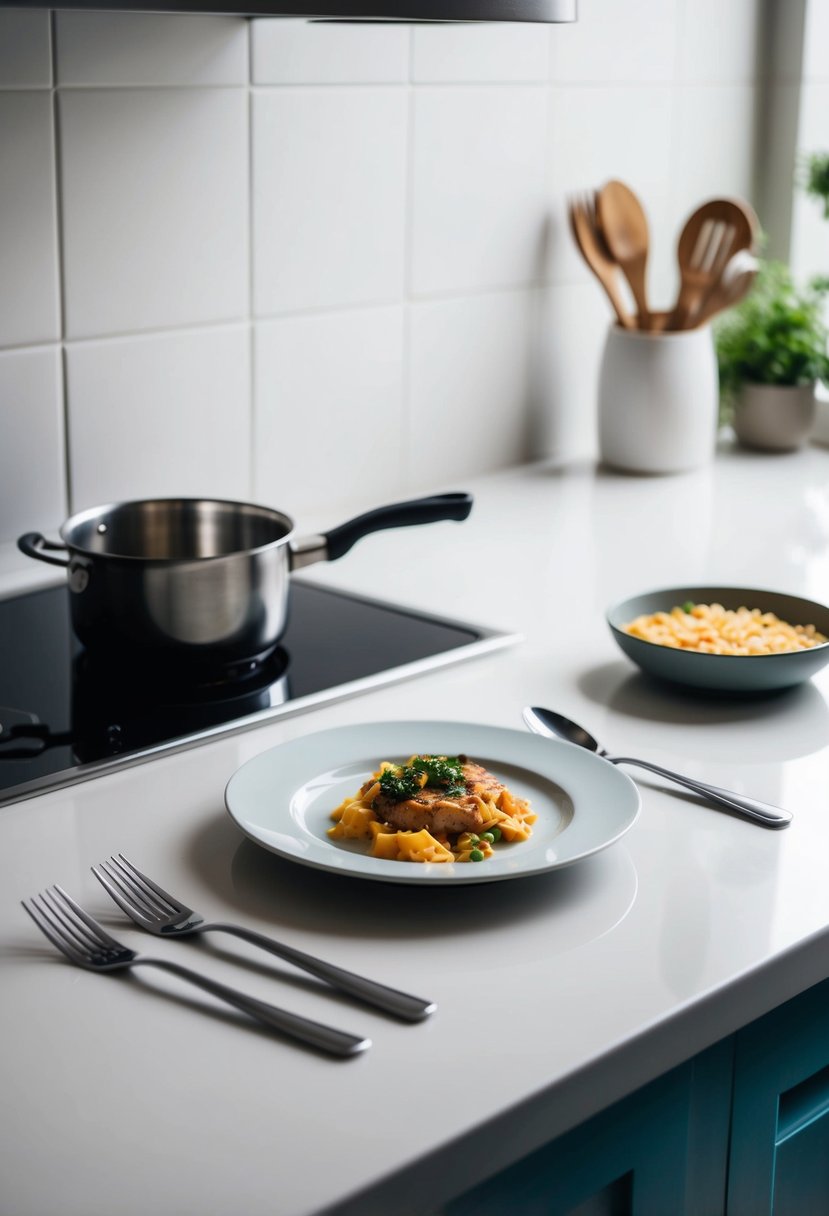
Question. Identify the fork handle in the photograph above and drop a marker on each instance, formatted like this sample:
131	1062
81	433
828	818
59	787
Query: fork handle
412	1008
326	1038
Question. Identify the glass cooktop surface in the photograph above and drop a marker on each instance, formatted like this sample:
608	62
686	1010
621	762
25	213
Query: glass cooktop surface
67	714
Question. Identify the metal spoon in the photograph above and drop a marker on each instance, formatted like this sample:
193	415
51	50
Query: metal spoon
624	226
556	726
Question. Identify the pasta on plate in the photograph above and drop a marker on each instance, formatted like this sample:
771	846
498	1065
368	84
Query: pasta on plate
432	809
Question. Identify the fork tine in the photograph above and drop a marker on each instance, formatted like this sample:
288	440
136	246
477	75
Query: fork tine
170	900
71	929
50	929
113	888
99	936
135	891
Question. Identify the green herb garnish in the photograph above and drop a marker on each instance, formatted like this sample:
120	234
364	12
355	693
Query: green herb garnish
442	772
400	784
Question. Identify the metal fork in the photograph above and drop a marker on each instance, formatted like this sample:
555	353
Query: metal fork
86	944
156	910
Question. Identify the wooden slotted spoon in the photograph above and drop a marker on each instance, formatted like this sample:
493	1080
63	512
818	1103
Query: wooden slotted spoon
712	235
736	282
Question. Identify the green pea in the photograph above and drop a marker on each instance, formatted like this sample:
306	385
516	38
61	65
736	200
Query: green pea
476	855
495	833
688	606
473	839
488	836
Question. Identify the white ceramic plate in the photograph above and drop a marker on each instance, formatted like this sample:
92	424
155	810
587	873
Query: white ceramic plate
283	798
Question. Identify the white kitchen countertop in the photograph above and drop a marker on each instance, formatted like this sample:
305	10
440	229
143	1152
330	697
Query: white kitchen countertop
556	994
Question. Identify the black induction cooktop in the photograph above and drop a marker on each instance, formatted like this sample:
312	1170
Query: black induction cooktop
68	714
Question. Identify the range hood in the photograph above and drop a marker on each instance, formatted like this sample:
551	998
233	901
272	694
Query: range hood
544	11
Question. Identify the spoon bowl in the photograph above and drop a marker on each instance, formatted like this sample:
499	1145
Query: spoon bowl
624	226
556	726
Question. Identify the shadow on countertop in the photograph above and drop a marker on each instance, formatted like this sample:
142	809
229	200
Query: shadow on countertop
574	904
785	724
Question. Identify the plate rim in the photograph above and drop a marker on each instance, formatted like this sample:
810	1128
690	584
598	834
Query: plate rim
468	875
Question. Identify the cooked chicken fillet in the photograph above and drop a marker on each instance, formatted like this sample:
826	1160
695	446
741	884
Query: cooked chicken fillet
439	814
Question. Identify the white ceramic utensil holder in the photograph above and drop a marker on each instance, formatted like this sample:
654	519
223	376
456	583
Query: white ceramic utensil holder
658	400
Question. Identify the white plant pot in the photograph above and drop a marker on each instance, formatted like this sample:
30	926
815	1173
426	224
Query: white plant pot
820	431
658	400
774	417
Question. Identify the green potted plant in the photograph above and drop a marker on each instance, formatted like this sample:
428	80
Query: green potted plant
772	351
816	179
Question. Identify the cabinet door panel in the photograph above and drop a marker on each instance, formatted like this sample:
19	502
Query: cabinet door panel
779	1160
801	1176
630	1160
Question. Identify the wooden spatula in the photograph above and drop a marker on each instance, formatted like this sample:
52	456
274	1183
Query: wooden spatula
582	215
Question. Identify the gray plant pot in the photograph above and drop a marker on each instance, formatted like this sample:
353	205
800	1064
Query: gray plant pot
774	418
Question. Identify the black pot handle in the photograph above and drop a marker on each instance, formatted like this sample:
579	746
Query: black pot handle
33	544
398	515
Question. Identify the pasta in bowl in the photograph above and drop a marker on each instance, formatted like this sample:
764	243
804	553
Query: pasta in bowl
729	639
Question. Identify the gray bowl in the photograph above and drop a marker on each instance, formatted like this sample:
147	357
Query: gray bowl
726	673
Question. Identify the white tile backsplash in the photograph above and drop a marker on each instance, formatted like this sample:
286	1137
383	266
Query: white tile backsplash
469	402
615	41
809	251
479	196
160	415
720	43
119	49
329	191
25	49
329	408
816	41
155	208
615	132
304	52
570	325
376	211
29	308
480	53
32	455
704	168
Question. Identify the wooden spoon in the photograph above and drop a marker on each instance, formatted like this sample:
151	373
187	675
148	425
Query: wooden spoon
624	226
712	235
581	211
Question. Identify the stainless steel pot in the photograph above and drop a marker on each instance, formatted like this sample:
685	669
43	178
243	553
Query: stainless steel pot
200	579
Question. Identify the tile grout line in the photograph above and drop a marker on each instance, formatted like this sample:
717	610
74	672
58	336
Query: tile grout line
408	257
252	334
61	261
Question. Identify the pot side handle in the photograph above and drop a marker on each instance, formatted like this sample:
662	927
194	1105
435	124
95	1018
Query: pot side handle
33	545
397	515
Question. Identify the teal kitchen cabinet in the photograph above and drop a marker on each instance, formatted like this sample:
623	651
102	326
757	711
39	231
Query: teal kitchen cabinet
779	1162
740	1130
